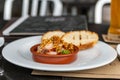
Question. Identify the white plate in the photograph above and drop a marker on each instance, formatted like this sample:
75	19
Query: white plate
118	49
18	52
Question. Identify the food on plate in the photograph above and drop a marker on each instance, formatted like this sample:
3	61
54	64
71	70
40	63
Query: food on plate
52	44
50	34
58	47
82	39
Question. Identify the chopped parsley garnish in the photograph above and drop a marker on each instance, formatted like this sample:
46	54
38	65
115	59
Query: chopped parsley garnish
65	52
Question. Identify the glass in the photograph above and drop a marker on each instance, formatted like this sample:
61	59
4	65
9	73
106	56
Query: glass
1	44
2	75
1	69
114	29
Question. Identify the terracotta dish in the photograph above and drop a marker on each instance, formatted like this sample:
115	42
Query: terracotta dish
52	59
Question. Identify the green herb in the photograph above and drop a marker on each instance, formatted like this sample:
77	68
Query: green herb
65	52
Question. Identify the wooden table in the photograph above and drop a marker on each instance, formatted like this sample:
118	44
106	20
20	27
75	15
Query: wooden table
15	72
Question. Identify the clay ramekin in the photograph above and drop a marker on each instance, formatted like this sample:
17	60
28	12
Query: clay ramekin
52	59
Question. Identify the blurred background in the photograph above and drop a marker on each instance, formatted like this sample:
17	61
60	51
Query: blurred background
70	7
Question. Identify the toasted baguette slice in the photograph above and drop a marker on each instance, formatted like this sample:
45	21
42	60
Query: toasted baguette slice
82	39
50	34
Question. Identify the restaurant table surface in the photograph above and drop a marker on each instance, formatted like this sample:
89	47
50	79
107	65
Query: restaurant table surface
14	72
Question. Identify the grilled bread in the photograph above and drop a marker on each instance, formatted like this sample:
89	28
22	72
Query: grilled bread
50	34
82	39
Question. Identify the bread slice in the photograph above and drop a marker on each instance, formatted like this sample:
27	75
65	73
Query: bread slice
50	34
82	39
